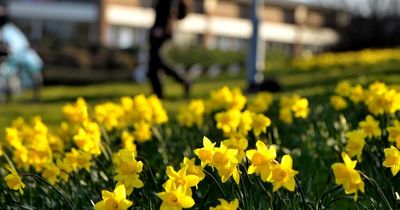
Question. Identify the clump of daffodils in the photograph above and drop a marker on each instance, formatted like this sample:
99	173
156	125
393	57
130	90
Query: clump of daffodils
263	163
378	97
261	103
128	170
226	98
193	114
236	123
222	158
32	144
293	106
177	192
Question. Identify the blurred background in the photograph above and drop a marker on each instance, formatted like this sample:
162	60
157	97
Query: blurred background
87	35
305	44
98	35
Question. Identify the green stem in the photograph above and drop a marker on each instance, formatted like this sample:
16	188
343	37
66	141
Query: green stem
338	199
106	146
216	183
148	191
250	184
326	194
39	178
149	171
301	192
8	159
243	194
378	188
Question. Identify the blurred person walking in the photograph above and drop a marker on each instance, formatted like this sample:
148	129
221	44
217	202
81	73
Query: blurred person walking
18	60
167	11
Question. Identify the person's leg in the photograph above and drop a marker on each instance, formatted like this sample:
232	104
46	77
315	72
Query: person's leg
152	74
171	72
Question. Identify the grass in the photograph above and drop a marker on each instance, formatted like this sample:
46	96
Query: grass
54	97
308	83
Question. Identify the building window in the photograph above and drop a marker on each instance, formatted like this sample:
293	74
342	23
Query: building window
288	16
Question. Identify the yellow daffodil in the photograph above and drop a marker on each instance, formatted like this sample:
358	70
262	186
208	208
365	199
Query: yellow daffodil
338	102
113	200
192	114
175	198
108	114
65	168
238	143
128	140
181	178
245	124
78	159
370	127
224	160
76	113
357	94
355	143
221	99
392	159
141	110
378	87
394	133
51	173
192	168
300	108
127	170
159	115
261	103
228	121
142	131
225	205
14	181
261	160
285	115
238	99
343	88
260	124
346	175
206	153
283	174
88	138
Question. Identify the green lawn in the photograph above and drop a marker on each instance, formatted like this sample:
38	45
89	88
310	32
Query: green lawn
308	83
54	97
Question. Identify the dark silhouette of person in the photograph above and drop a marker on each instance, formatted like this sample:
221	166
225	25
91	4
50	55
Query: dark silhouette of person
166	12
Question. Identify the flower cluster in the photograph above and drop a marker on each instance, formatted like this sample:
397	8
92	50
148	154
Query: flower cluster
263	163
178	193
293	105
363	57
193	114
32	144
379	99
127	170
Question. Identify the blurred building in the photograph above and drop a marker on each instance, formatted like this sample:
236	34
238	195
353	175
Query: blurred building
224	24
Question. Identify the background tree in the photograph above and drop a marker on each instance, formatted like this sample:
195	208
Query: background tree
372	23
